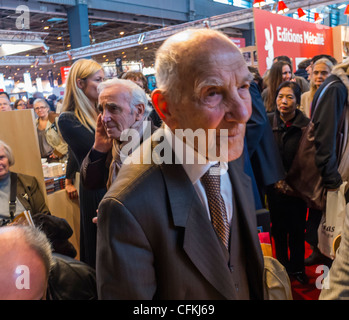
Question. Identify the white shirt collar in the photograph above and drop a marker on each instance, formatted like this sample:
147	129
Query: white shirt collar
196	168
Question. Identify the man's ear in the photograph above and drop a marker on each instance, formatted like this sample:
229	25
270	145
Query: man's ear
140	108
159	103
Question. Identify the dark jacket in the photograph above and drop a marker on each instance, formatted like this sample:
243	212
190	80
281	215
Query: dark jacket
154	242
80	140
71	279
326	119
287	138
302	73
57	230
30	195
266	164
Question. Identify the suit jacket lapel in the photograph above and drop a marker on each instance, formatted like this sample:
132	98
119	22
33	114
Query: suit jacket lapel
242	193
200	240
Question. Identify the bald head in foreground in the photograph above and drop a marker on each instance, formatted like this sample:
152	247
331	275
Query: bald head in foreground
25	263
158	235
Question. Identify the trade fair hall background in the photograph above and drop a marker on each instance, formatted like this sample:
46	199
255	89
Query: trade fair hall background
40	40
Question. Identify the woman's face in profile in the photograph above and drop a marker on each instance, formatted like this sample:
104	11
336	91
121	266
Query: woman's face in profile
286	73
90	84
4	164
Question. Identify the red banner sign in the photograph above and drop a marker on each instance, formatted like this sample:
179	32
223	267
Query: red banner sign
277	35
240	42
64	73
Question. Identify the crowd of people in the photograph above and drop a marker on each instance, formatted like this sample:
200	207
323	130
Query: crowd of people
160	217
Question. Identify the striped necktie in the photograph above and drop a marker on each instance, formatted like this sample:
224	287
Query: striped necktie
212	184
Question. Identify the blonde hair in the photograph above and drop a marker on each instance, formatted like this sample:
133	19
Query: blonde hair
74	98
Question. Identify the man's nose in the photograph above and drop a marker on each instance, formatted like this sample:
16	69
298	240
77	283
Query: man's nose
238	110
105	115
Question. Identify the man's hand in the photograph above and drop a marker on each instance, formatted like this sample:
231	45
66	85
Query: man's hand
95	219
71	190
102	142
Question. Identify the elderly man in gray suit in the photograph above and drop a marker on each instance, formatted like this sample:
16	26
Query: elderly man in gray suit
171	226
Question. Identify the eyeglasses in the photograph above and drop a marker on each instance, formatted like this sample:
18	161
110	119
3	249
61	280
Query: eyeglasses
39	108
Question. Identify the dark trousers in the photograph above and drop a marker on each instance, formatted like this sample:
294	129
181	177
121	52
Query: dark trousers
312	226
288	216
89	200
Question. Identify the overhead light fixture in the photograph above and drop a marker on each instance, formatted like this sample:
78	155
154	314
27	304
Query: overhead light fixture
317	18
141	38
259	3
282	8
56	19
273	10
301	14
346	11
206	24
98	24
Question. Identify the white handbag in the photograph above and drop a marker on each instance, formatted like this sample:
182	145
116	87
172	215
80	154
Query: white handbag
331	224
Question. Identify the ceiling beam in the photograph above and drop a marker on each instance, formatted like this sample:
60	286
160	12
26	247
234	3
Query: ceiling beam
21	36
34	7
54	9
216	22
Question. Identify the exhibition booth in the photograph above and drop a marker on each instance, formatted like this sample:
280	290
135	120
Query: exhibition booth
278	35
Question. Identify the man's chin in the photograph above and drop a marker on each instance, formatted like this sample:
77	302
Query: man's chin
227	151
234	154
113	135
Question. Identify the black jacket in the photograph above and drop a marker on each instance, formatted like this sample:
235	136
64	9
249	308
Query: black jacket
326	120
287	138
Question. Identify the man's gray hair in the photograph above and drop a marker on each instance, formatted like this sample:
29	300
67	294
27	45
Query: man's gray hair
171	60
8	153
138	95
36	240
40	100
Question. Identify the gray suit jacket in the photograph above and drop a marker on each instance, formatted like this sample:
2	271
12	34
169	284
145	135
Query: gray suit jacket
155	240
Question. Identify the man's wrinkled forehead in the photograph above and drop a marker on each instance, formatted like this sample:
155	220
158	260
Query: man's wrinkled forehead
115	92
212	63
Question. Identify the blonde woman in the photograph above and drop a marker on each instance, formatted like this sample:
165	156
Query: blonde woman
77	123
51	143
320	71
